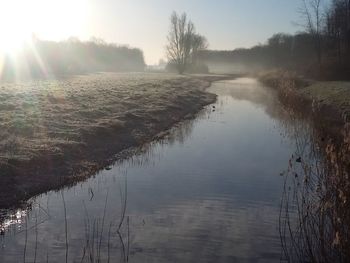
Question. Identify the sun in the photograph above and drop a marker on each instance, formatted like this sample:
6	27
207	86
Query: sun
47	19
13	29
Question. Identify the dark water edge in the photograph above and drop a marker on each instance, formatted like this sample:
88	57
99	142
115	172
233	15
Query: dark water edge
210	191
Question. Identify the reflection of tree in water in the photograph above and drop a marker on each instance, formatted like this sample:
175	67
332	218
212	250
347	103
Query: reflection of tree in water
10	217
315	213
150	152
251	90
105	236
105	240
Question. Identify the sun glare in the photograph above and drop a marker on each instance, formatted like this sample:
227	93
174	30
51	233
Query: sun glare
47	19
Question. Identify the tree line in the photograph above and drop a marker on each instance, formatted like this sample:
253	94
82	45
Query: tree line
320	50
337	29
41	58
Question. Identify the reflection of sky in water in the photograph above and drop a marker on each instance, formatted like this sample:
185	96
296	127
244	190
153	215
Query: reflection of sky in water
209	194
13	218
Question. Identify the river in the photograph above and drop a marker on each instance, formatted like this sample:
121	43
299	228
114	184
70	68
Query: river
210	191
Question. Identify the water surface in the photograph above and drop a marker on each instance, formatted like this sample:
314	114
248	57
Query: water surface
209	192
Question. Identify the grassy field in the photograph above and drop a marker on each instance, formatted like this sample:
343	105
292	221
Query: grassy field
55	132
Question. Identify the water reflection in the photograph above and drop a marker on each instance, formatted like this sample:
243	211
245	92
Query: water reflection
314	220
12	218
208	192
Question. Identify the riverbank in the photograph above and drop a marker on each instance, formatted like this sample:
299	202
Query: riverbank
327	101
205	178
57	132
326	105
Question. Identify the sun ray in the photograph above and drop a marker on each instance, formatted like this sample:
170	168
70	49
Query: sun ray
49	19
20	20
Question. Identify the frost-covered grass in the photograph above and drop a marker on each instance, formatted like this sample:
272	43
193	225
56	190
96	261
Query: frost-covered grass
335	93
70	127
48	116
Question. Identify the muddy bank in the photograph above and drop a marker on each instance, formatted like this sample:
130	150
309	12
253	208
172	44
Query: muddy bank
57	132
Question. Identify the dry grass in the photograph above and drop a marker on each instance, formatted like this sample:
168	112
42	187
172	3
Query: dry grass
315	212
335	93
324	96
55	131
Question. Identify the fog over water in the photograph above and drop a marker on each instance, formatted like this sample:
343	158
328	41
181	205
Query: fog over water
210	190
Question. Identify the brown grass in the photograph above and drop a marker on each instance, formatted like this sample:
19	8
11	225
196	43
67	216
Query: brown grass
317	189
329	98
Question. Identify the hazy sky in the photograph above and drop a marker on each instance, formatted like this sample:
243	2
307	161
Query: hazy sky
227	24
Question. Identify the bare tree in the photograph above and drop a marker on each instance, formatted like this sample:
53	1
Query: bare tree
311	11
199	43
183	42
338	26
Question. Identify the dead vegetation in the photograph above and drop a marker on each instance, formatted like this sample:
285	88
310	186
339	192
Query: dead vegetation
314	219
328	98
315	214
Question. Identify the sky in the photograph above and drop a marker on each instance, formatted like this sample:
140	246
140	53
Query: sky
227	24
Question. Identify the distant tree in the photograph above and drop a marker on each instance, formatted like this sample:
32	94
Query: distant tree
70	57
97	41
162	63
337	27
321	50
73	39
183	42
280	49
199	43
312	14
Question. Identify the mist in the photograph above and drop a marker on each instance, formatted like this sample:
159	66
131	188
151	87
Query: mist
41	59
181	131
